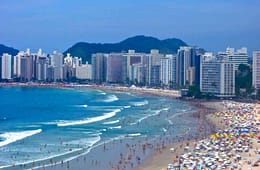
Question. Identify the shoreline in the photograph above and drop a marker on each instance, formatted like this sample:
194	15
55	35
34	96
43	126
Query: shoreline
152	91
140	91
172	152
163	156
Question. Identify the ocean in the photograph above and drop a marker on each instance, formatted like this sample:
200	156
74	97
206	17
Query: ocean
38	124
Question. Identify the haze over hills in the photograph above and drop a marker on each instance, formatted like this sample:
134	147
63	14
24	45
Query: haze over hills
138	43
9	50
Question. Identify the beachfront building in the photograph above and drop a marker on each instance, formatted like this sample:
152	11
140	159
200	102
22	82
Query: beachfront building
256	69
6	62
57	64
236	57
17	65
26	68
168	70
76	62
187	66
99	67
137	74
116	68
154	64
137	64
217	76
84	71
41	68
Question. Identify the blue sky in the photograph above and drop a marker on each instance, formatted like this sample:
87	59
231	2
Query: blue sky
58	24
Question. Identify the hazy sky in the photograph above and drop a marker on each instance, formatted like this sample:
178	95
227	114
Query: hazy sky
58	24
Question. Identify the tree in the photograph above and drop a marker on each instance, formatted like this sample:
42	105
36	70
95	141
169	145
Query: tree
243	79
194	91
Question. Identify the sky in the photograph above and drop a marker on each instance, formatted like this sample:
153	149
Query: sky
58	24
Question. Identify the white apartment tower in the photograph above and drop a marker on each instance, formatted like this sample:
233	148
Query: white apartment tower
236	57
57	64
217	77
17	65
84	71
6	66
168	70
256	69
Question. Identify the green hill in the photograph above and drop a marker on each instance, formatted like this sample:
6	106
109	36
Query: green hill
9	50
138	43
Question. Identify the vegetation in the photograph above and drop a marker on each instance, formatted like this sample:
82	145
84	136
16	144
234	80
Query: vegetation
243	80
138	43
195	91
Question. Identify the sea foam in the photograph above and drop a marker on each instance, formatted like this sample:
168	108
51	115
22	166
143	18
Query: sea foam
111	98
111	122
156	112
142	103
10	137
89	120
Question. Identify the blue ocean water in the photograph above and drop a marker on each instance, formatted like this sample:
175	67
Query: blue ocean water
44	123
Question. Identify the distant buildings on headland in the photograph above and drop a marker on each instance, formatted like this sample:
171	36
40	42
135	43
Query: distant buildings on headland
213	73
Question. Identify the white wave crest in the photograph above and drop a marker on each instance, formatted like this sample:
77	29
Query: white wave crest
89	120
156	112
101	92
133	135
11	137
111	122
116	127
142	103
111	98
83	105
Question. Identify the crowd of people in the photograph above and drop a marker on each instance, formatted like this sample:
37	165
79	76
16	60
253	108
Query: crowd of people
236	146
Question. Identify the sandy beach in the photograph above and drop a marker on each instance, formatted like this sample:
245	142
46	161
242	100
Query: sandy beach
172	152
248	159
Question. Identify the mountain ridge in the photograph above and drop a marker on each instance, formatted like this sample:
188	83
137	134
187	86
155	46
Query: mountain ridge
139	43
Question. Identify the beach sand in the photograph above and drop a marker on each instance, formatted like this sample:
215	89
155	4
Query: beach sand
159	161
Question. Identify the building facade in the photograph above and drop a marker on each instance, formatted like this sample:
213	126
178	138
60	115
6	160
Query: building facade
116	68
99	67
6	72
217	77
256	69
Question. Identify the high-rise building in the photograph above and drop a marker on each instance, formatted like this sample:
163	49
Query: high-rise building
17	65
217	76
256	69
26	68
116	68
137	64
57	64
183	62
154	68
68	60
41	68
236	57
137	74
84	71
76	62
188	66
6	72
168	70
99	67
